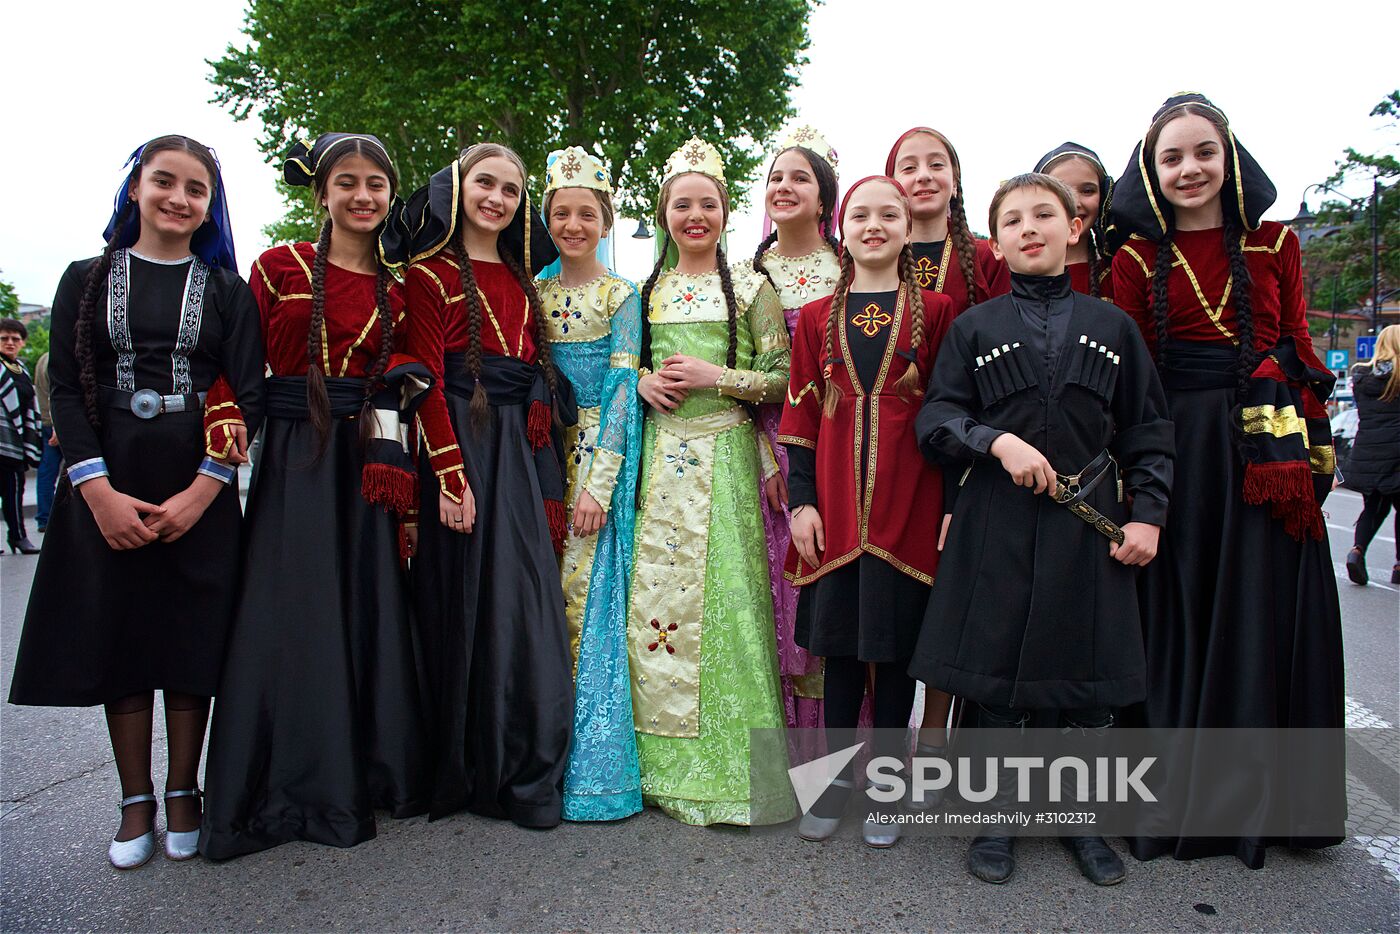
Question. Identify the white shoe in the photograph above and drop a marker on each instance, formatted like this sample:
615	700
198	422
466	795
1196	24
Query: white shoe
817	829
128	854
876	833
181	844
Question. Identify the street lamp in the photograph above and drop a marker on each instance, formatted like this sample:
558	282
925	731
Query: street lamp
642	232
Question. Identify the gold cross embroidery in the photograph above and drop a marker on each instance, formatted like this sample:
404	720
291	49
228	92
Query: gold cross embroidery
925	272
571	166
694	155
871	319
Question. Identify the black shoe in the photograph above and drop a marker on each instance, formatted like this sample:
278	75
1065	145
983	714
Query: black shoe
1395	574
23	546
43	529
990	859
1095	859
1356	566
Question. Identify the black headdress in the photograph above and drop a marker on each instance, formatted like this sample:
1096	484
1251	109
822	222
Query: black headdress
1139	207
305	159
427	222
1076	151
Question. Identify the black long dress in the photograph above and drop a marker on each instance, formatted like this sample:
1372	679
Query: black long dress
320	717
1029	610
105	624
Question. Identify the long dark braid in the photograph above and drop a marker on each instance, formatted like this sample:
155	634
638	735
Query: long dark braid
87	317
910	382
646	299
478	408
836	319
542	347
960	236
382	280
1093	264
318	404
763	246
727	286
1242	298
1161	273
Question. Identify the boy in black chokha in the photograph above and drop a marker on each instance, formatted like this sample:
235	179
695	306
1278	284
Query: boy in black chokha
1046	414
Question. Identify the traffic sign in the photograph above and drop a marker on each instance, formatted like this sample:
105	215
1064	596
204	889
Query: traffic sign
1366	347
1338	359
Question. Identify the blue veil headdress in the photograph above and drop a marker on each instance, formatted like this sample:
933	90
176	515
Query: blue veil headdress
212	242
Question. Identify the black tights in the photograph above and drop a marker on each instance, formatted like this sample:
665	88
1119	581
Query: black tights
844	692
1373	513
129	723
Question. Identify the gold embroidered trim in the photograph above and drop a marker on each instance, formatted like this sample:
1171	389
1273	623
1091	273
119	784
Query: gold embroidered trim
257	264
1135	255
809	388
345	364
1212	313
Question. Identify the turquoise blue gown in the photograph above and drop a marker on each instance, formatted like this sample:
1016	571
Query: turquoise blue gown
594	331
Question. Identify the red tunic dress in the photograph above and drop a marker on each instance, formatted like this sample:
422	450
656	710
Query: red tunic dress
902	497
993	277
438	326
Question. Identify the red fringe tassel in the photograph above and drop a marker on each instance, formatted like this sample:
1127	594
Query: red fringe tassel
392	487
558	523
1288	489
538	424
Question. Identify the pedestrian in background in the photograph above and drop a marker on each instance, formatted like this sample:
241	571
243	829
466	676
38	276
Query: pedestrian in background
50	457
1374	467
19	433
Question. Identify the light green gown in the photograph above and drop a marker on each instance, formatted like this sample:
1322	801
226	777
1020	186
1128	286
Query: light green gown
700	624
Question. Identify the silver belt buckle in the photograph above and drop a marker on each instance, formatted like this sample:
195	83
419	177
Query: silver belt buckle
146	403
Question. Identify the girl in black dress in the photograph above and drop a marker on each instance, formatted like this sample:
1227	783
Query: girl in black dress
139	335
319	719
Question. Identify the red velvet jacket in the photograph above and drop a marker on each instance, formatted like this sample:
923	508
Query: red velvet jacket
350	329
896	516
1200	310
437	325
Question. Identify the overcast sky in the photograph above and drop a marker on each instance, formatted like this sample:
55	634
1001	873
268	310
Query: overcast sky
83	83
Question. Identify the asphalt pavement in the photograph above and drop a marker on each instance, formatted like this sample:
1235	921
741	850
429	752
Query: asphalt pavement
58	794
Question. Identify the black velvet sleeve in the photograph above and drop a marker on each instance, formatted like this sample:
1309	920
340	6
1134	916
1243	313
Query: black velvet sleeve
947	427
75	433
243	358
802	476
1143	440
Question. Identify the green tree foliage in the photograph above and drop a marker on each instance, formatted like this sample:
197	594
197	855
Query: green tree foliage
36	344
631	78
9	300
1345	254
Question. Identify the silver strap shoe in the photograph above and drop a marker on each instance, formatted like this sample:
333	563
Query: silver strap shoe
181	844
128	854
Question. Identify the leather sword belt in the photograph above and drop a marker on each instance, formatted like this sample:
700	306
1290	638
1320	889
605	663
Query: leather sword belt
147	403
1072	491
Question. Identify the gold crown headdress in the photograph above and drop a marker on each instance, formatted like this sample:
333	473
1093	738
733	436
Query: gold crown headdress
574	167
809	137
695	156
